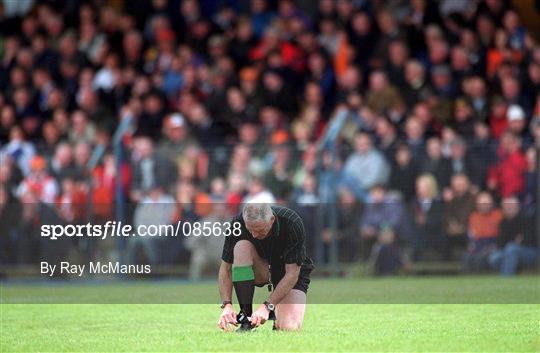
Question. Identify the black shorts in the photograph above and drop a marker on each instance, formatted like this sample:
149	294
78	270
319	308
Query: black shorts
304	280
302	284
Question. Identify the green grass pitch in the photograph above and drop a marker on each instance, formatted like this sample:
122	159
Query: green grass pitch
460	314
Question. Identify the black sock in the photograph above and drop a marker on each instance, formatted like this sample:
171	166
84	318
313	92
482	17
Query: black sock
244	292
244	286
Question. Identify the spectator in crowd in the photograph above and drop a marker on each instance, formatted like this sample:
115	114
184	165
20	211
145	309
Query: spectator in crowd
387	137
414	135
81	157
81	130
51	138
422	111
151	117
9	217
346	228
365	157
7	122
483	229
71	203
258	193
475	91
386	257
31	247
278	178
381	93
382	210
389	31
458	206
462	162
10	176
39	182
185	196
416	82
443	85
498	120
464	120
249	134
18	149
277	92
427	214
511	92
531	190
348	81
398	53
404	173
241	162
517	124
249	87
61	163
435	163
206	250
308	166
153	212
149	168
482	148
516	243
205	128
104	186
507	176
177	142
307	195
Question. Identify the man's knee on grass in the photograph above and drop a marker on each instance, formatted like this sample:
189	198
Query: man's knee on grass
289	324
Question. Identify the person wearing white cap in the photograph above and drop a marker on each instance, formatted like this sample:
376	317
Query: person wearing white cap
176	137
515	113
517	123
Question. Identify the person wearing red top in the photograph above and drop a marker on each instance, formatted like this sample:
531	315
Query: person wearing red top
72	202
484	221
104	187
507	176
483	230
291	55
498	121
105	174
39	182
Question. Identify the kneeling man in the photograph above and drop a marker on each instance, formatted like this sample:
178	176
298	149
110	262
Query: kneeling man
270	251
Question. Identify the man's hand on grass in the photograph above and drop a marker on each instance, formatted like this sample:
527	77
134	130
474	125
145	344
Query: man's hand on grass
227	318
260	316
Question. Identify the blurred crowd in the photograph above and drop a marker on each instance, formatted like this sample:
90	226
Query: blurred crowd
400	130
